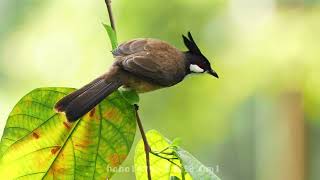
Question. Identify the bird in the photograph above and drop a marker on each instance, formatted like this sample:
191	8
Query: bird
142	65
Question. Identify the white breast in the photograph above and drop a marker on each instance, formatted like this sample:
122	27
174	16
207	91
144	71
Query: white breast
195	68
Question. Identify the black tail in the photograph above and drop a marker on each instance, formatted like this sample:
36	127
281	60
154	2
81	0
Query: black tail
81	101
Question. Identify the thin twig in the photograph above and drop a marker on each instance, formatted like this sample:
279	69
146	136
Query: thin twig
108	3
147	147
163	151
145	142
168	159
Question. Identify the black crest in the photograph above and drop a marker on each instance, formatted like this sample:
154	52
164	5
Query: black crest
191	45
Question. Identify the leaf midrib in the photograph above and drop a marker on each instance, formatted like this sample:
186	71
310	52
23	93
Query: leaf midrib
100	127
62	147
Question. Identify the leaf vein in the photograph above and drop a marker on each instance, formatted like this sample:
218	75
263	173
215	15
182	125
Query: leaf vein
119	131
29	133
100	127
62	148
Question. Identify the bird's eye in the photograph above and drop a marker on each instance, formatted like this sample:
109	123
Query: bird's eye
203	65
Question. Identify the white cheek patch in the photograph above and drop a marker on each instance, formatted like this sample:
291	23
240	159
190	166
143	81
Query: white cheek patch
195	68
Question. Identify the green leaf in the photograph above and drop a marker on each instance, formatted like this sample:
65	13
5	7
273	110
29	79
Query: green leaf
40	143
130	95
112	36
176	142
163	169
194	167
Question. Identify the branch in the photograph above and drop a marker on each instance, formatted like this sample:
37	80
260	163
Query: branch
145	142
143	134
108	4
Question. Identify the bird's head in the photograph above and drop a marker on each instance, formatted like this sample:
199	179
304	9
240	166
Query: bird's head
198	63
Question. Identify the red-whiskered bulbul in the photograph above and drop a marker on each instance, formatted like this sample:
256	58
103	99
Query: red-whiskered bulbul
142	65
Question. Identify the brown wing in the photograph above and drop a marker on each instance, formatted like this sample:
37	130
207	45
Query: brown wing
130	47
154	60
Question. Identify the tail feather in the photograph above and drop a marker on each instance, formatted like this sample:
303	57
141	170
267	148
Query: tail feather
83	100
64	102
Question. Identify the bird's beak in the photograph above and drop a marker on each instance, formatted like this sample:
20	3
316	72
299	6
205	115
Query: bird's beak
213	73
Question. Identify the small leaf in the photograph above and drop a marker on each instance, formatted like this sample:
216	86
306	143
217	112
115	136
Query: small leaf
130	95
38	143
161	169
112	36
194	167
176	142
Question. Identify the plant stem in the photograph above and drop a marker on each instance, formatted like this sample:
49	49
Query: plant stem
168	159
143	134
108	4
145	142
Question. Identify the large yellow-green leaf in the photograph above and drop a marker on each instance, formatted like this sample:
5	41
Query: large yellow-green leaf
39	143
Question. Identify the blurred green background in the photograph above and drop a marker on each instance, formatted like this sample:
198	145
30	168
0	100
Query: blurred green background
259	121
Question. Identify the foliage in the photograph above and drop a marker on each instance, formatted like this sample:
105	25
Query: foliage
112	36
184	165
40	143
